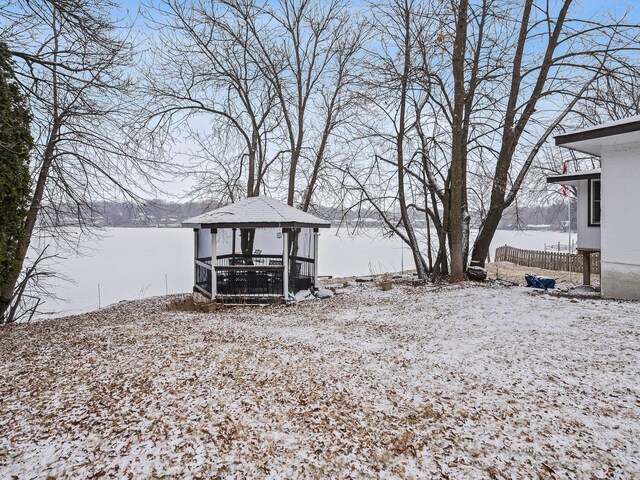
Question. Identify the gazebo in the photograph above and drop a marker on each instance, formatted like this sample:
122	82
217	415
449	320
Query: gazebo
257	250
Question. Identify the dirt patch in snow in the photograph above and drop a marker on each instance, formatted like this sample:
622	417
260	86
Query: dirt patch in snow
420	381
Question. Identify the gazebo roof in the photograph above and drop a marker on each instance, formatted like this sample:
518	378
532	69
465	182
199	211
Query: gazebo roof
256	212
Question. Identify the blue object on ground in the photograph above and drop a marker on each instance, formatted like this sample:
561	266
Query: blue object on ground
535	281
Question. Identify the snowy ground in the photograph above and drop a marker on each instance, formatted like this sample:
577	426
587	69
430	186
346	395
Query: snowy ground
435	382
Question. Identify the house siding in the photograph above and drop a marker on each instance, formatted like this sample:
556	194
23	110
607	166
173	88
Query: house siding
588	237
620	236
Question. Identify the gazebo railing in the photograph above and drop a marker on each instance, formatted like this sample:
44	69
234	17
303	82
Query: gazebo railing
301	273
249	281
253	275
255	259
203	275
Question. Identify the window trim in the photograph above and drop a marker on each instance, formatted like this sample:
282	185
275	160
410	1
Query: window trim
590	200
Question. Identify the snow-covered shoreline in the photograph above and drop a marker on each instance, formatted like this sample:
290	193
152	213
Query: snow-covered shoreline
421	381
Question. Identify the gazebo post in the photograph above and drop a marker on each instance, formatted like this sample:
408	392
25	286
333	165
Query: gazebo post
315	258
196	231
233	246
214	261
285	262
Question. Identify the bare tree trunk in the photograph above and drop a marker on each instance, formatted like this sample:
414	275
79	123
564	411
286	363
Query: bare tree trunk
293	168
442	266
247	238
458	170
513	129
248	235
428	227
306	201
418	259
251	180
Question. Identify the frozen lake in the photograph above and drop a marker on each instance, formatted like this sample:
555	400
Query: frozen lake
132	263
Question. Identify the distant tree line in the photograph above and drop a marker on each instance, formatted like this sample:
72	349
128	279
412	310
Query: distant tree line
163	213
431	117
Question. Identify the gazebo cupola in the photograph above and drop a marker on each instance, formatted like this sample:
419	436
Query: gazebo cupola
255	250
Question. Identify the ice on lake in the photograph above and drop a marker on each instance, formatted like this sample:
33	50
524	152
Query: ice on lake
133	263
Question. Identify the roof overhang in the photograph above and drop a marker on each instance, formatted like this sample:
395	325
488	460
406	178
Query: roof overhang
591	140
255	225
574	178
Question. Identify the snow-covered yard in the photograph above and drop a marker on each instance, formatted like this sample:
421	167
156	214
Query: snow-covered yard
443	382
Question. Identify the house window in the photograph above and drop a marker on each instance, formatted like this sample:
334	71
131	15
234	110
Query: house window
594	202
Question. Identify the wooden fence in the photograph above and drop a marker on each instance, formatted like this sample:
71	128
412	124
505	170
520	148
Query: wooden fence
568	262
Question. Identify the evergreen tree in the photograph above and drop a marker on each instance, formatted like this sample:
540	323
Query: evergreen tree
15	192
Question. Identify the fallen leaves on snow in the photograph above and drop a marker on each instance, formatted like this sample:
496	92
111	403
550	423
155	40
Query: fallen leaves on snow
458	382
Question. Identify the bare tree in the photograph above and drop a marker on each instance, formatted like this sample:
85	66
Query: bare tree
275	78
199	71
459	139
378	179
557	61
492	83
305	49
73	65
514	76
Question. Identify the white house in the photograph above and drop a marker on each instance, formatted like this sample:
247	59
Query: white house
608	201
